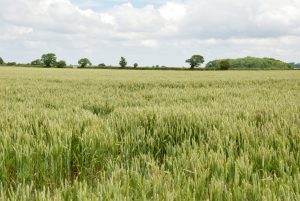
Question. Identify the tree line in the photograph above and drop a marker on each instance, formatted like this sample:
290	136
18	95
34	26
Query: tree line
50	60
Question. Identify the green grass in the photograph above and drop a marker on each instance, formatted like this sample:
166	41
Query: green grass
72	134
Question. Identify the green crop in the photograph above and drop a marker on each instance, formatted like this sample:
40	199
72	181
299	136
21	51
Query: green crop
76	134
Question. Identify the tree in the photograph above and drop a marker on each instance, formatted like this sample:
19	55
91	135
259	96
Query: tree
49	59
37	62
250	63
84	62
195	61
11	63
61	64
1	61
101	65
224	64
123	62
135	65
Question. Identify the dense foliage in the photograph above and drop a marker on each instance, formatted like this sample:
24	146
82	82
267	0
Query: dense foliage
61	64
84	62
49	60
250	63
123	62
11	63
295	65
225	64
149	135
37	62
195	61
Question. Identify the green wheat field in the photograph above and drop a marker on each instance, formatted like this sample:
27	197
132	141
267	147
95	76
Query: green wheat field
83	134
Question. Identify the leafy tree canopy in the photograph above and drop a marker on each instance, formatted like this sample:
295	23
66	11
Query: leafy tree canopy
61	64
11	63
49	60
250	63
37	62
225	64
123	62
1	61
84	62
295	65
195	61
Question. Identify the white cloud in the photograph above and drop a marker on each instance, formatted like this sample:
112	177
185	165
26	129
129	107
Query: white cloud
172	11
150	43
108	19
167	33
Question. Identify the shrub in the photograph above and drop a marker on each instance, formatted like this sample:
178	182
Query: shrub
61	64
11	63
37	62
224	65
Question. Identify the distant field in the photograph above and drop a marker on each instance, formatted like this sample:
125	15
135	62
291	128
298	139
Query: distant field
72	134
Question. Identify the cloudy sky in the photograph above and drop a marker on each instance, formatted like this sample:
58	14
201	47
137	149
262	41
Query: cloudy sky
153	32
